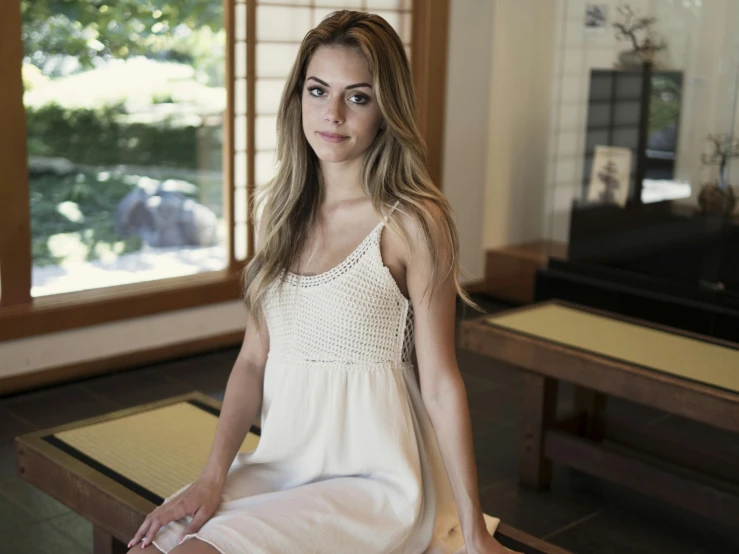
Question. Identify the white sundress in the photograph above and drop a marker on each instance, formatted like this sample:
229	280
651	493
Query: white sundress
347	461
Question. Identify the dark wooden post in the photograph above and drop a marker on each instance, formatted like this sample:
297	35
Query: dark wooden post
104	543
641	150
539	414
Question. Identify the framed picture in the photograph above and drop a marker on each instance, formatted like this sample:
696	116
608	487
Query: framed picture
609	177
596	16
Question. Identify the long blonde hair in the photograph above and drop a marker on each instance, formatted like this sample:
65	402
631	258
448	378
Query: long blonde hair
394	166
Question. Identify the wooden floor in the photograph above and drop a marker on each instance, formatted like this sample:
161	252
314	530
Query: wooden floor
579	513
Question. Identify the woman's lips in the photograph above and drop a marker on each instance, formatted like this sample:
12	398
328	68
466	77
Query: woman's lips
332	137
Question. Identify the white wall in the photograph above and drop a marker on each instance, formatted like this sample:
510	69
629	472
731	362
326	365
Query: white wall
466	127
121	337
521	76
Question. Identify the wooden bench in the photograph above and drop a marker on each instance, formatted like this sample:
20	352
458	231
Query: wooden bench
605	355
94	466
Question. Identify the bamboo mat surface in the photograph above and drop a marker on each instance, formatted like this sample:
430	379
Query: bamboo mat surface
660	350
175	440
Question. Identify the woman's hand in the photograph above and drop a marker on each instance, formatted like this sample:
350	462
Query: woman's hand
199	500
486	544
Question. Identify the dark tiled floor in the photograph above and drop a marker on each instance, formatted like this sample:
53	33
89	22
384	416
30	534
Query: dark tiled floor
580	513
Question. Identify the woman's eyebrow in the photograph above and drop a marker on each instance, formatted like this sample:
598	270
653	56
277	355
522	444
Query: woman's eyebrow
325	84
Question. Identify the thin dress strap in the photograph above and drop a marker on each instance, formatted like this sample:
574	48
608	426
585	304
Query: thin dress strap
392	210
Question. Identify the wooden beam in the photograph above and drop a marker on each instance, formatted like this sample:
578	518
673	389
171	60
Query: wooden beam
512	538
670	445
15	227
229	14
682	488
539	414
251	117
73	310
428	59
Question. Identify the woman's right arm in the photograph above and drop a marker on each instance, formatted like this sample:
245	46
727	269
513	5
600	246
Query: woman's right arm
241	405
243	398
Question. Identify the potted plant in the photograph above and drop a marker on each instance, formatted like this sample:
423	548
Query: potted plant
644	40
717	197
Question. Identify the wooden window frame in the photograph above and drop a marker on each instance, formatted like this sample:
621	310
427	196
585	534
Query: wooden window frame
23	316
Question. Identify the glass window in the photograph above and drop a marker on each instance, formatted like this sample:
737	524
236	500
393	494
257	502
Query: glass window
125	108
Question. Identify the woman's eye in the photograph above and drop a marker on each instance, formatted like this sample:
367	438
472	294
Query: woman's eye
359	99
318	92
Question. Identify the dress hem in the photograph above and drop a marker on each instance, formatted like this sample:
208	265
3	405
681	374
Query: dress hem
187	537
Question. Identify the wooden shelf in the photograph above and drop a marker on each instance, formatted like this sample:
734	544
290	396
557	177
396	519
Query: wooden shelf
510	270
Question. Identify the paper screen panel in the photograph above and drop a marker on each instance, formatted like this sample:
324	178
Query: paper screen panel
269	93
275	60
388	4
265	166
341	4
282	23
162	449
240	235
677	355
240	215
266	133
240	125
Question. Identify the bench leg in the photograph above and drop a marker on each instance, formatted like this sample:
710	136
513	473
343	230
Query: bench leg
104	543
590	405
539	414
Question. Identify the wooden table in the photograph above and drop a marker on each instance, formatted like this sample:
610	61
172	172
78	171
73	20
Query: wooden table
97	467
603	355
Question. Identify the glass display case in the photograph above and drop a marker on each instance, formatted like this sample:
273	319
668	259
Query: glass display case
645	162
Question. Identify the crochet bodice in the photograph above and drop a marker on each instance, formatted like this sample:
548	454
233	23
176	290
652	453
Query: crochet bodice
353	313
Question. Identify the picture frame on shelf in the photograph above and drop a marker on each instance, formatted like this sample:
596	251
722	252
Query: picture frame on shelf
610	175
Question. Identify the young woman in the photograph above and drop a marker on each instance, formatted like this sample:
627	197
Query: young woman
353	457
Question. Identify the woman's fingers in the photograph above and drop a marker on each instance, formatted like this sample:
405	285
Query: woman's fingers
159	518
148	530
151	533
195	524
176	508
141	532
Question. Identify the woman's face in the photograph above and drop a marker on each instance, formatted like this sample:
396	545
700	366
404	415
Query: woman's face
341	117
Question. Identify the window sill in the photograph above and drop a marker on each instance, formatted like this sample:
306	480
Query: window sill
73	310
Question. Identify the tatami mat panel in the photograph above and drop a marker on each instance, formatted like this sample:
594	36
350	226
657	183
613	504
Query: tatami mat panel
175	440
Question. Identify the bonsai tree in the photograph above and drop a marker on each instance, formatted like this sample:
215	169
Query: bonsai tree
723	148
631	26
717	197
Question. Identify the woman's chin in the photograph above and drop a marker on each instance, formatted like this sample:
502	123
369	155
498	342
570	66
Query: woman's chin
332	157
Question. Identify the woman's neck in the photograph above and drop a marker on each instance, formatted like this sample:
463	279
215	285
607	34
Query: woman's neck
341	182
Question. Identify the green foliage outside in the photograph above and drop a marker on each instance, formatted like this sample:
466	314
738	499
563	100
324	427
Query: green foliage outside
101	137
81	200
93	29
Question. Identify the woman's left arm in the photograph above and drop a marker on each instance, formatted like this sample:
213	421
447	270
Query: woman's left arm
443	389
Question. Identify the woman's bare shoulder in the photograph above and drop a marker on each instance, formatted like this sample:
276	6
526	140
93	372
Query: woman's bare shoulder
412	223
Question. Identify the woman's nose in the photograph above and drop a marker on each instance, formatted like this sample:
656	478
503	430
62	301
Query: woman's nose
335	111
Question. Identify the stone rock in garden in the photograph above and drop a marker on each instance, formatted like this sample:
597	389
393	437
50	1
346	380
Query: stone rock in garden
165	218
